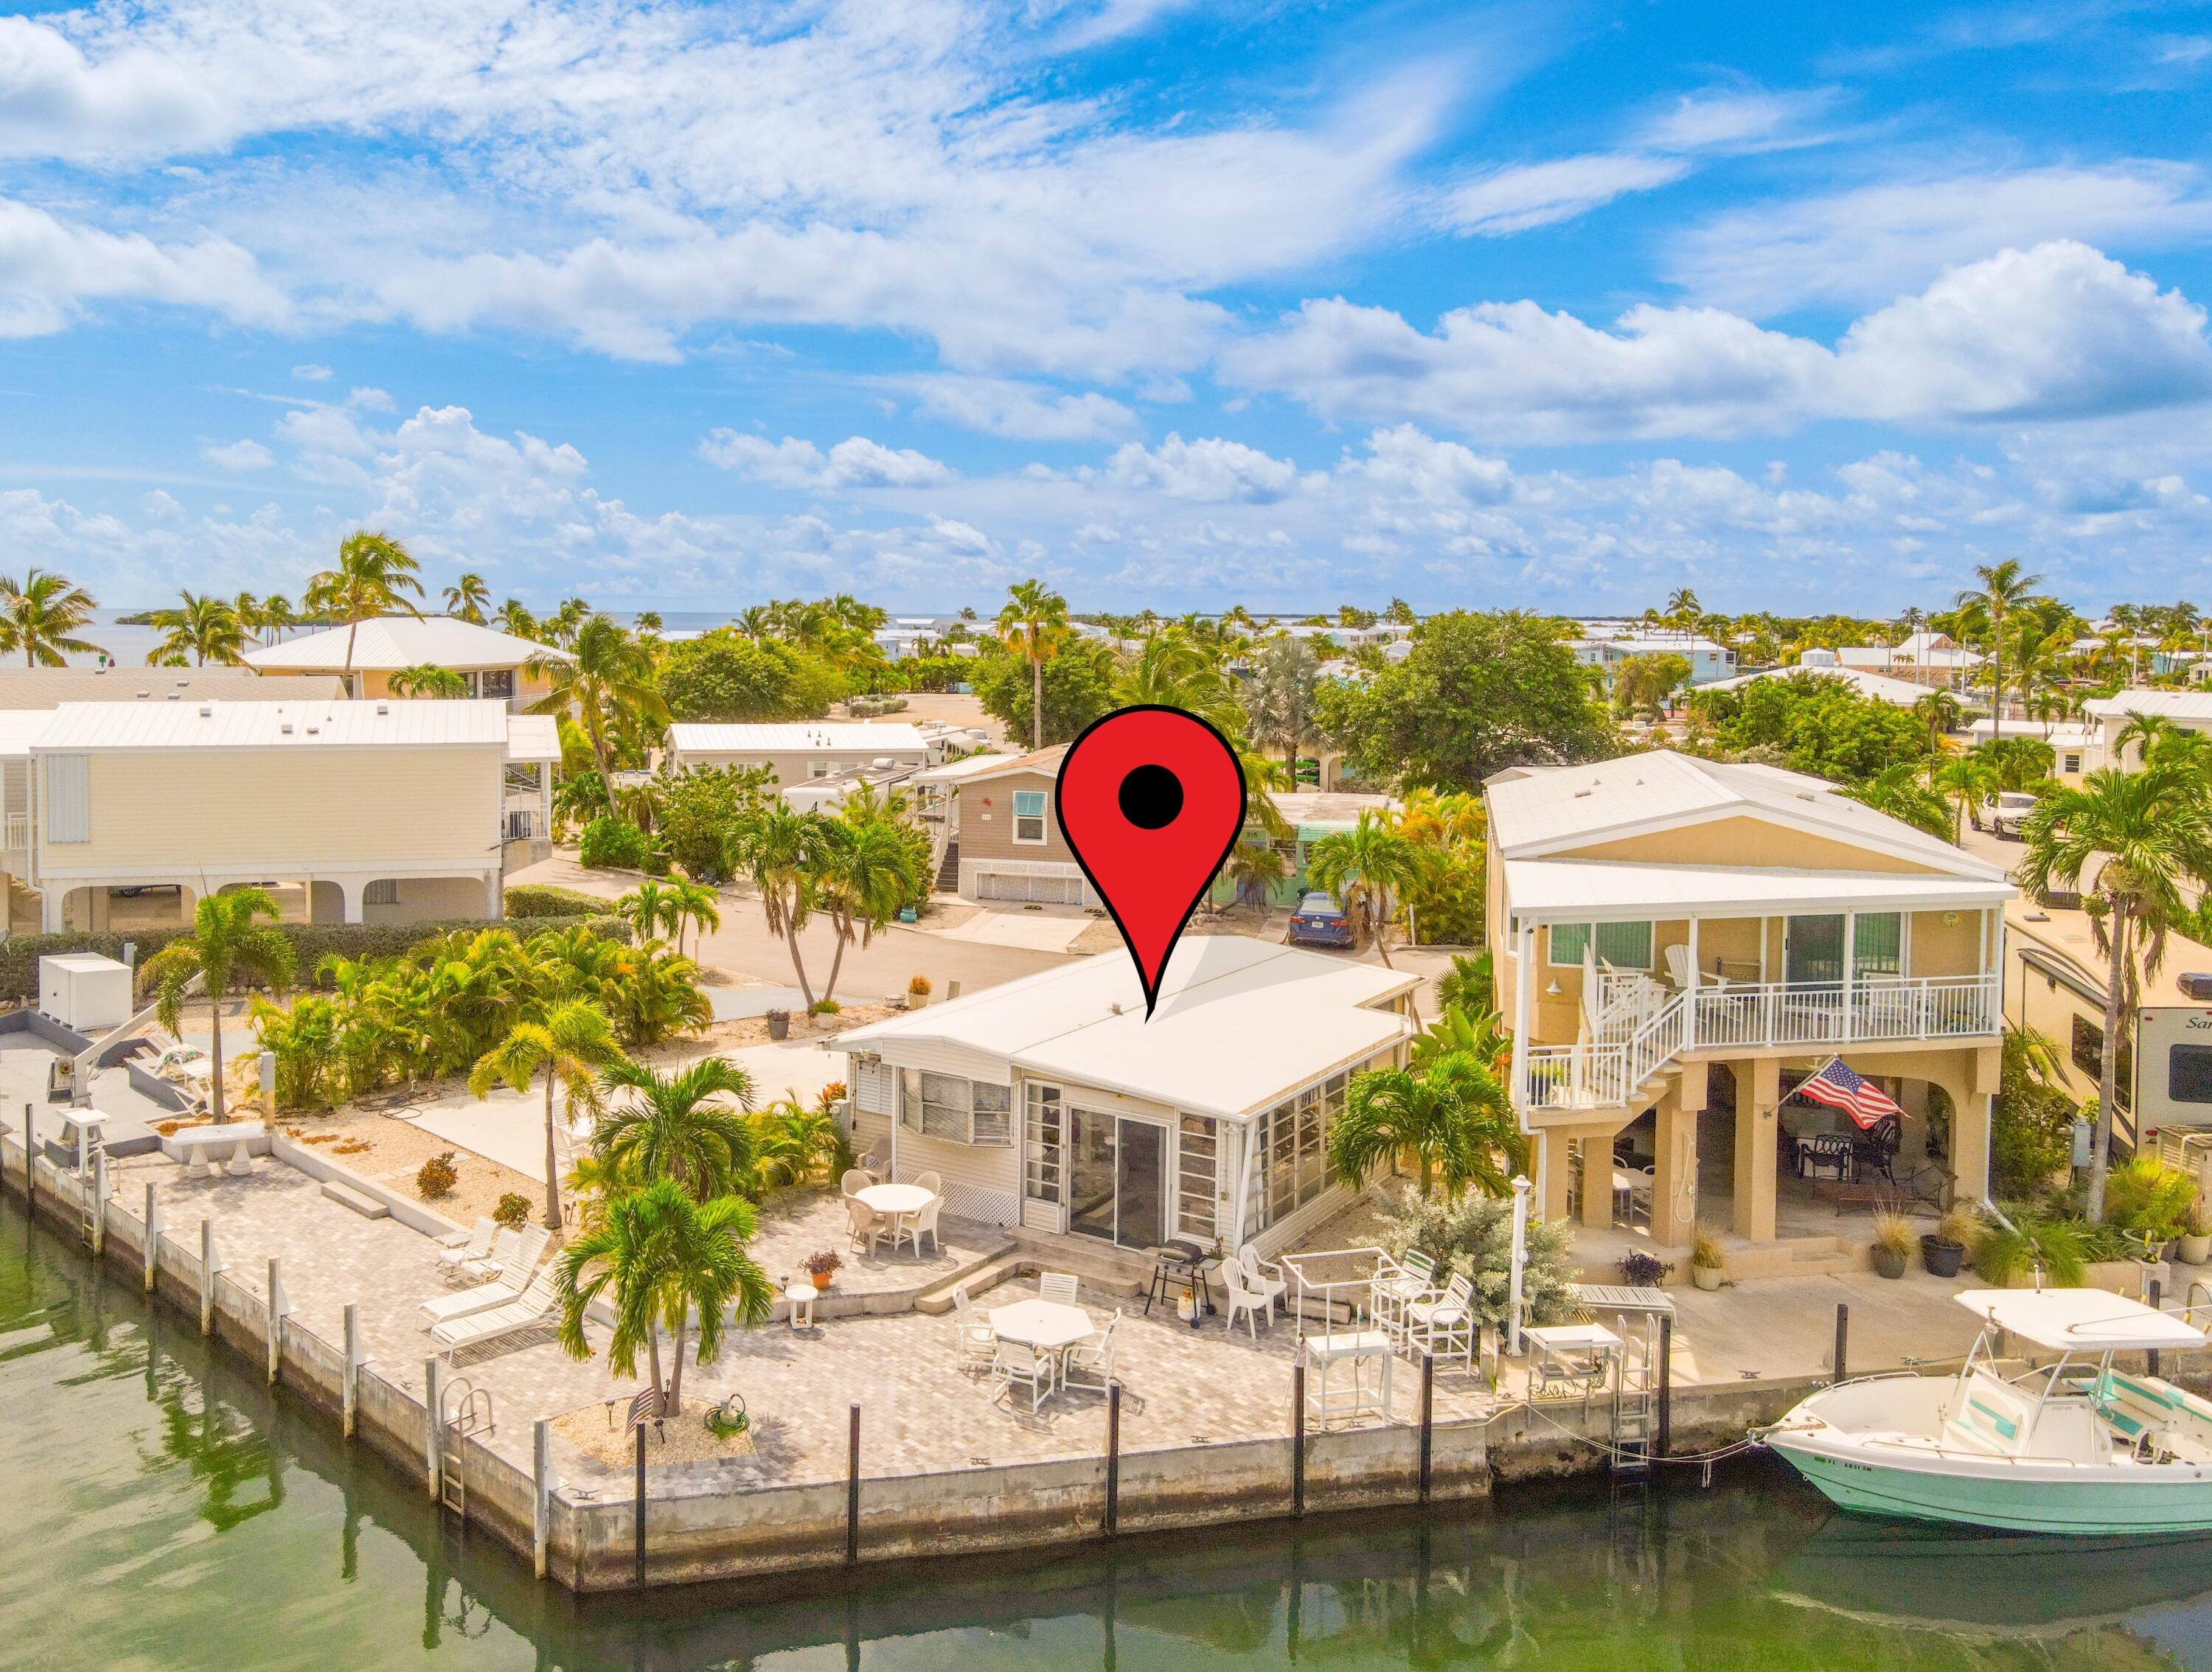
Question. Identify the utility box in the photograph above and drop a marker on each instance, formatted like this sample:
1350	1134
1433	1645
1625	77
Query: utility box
84	992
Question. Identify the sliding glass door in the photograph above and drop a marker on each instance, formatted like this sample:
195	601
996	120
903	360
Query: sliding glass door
1117	1171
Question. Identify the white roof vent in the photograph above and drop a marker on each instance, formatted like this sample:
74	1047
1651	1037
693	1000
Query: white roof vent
383	707
206	710
285	729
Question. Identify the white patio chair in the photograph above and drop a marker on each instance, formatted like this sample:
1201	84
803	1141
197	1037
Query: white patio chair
978	1346
932	1181
853	1180
1446	1326
1016	1363
1058	1287
1090	1362
473	1246
876	1163
482	1298
535	1239
868	1225
925	1224
1684	974
1264	1275
1397	1282
1243	1297
532	1306
505	1244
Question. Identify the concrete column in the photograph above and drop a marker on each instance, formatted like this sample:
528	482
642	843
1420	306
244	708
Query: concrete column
1758	1094
1970	1145
1554	1170
51	905
495	896
1675	1188
352	891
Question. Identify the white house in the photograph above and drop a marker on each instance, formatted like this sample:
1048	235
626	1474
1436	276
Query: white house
1878	687
1605	648
491	664
801	750
1055	1104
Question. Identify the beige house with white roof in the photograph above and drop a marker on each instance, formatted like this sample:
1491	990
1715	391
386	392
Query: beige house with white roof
1678	942
1053	1105
494	664
799	751
367	812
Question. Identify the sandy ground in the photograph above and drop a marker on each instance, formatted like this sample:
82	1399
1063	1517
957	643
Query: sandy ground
391	1153
597	1430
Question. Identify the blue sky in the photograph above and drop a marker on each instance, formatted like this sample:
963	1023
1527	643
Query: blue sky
1181	304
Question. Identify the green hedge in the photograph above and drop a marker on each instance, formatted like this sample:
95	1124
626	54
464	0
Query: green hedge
544	900
20	954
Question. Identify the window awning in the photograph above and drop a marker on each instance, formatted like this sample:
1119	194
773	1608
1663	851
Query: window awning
1584	891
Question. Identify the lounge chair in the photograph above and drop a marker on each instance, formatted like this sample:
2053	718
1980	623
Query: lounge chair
515	1278
467	1249
506	1248
533	1306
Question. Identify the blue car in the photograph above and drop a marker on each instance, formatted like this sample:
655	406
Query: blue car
1320	921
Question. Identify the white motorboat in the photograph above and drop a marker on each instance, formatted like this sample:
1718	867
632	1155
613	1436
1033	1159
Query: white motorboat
2077	1446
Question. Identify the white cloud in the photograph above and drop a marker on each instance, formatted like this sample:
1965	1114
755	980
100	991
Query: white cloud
855	462
311	373
2059	332
1515	199
1870	244
245	455
51	268
1209	470
1023	411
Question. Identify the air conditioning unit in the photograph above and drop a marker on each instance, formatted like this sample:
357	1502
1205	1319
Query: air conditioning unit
2196	984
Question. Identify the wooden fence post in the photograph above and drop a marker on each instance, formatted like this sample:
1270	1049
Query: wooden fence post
153	1236
210	1263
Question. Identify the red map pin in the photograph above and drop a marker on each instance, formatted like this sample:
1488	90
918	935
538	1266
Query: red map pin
1151	800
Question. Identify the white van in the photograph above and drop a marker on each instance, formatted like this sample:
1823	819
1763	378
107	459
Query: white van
2008	812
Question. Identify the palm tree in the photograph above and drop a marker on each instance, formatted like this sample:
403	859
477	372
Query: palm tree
1365	867
1897	790
1968	781
1940	711
2003	588
427	679
374	570
695	904
863	874
38	617
778	851
1034	623
571	1042
205	628
514	618
1174	672
663	1256
1286	675
649	909
690	1125
466	597
606	683
228	943
1455	1116
1254	867
2146	836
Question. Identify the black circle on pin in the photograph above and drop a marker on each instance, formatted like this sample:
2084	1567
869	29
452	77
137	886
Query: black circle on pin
1150	797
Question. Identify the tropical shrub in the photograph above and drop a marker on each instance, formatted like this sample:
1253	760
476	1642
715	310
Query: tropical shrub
2005	1255
701	807
1474	1236
2148	1196
438	1177
792	1146
512	1211
544	900
617	843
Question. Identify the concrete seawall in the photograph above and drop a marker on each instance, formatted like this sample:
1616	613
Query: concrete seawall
588	1543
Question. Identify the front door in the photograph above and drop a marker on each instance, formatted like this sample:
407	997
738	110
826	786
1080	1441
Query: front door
1117	1174
1813	950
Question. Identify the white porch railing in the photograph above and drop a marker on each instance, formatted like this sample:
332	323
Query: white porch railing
1602	1074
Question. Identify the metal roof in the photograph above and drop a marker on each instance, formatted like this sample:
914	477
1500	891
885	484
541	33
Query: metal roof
388	643
1879	686
798	738
2174	704
1241	1024
532	739
1577	891
91	727
967	766
51	687
1537	810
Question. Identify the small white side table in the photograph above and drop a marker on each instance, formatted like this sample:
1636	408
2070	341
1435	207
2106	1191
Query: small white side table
1354	1350
801	1297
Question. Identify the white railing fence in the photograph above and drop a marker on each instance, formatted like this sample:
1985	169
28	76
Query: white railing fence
1602	1074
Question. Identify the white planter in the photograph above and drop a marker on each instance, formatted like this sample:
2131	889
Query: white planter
2196	1250
916	1000
1706	1277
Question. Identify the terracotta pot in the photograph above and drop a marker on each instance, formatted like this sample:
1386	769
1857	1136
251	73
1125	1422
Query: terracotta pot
1707	1278
1888	1262
821	1278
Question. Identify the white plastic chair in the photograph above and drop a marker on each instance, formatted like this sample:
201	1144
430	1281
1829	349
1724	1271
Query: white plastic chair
1397	1284
477	1245
1058	1287
925	1224
1251	1302
978	1346
1446	1326
505	1246
1090	1363
1262	1274
867	1226
932	1181
852	1183
1016	1363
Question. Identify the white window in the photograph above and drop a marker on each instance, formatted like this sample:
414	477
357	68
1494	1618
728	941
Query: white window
960	1111
818	768
1028	816
1623	946
69	798
1041	1168
2073	761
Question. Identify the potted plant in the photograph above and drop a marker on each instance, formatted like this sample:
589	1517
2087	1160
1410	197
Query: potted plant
917	993
1706	1261
1892	1242
1944	1250
820	1267
1640	1270
2196	1234
779	1024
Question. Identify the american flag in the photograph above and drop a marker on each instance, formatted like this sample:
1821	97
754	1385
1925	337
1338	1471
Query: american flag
1837	1087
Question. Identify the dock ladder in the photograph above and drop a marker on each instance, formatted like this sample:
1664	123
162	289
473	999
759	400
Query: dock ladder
463	1409
1635	1398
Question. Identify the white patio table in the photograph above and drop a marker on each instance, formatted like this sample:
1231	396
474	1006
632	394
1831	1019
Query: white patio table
894	1202
1046	1326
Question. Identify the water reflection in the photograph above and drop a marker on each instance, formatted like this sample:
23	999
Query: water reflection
190	1520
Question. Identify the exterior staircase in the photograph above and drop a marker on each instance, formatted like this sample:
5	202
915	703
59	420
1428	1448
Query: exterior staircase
948	869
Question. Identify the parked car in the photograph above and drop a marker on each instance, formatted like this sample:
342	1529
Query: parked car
2007	812
1320	921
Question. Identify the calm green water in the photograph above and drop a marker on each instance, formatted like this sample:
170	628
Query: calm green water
157	1509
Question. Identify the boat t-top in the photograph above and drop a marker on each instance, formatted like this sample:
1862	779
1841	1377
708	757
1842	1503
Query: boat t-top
2076	1446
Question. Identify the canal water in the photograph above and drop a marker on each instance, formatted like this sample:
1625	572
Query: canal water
158	1509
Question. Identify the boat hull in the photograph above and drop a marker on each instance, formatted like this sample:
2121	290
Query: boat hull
2010	1496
